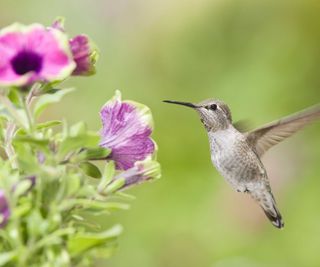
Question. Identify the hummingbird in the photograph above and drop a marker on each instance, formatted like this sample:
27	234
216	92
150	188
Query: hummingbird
236	154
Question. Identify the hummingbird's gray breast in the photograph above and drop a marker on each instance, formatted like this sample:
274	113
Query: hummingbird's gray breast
236	161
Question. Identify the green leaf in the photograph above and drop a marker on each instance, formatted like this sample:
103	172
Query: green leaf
50	98
125	196
70	144
94	153
14	96
36	224
113	186
21	210
41	126
107	176
6	257
54	238
22	187
22	118
40	143
94	205
104	252
48	88
73	184
29	139
78	129
26	160
77	217
83	242
48	124
90	169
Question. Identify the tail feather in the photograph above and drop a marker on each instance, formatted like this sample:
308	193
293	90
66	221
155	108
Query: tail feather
274	216
268	205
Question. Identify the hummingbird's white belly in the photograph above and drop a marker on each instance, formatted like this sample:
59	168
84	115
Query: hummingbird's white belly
234	159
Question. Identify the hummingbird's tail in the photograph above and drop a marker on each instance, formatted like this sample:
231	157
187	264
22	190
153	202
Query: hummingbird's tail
268	205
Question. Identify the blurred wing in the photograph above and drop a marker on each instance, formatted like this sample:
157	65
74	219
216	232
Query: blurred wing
263	138
242	125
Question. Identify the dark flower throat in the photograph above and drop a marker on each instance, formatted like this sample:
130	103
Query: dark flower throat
26	61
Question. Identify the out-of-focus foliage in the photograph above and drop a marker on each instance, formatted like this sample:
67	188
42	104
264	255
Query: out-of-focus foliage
47	194
262	58
44	176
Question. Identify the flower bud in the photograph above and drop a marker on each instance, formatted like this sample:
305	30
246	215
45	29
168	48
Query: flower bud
142	171
84	55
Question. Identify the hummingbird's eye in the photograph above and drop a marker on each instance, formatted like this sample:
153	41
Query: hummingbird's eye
213	107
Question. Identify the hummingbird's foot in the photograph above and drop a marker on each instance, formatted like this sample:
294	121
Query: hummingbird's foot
243	190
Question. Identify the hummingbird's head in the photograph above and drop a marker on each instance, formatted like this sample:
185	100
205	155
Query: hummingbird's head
214	114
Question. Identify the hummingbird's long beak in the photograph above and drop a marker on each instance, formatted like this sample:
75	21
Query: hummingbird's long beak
187	104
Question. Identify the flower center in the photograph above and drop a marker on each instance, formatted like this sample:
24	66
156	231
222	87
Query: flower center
26	61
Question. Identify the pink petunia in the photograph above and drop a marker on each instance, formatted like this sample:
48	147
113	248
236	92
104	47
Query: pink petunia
33	53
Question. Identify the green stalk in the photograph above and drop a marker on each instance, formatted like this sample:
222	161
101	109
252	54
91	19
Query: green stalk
11	128
28	113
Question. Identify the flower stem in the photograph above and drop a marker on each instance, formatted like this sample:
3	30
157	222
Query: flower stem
51	238
11	128
33	92
28	113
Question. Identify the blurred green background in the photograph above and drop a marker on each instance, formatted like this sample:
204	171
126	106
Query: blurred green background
263	59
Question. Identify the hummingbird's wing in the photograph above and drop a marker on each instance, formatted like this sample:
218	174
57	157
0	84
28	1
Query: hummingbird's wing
242	125
263	138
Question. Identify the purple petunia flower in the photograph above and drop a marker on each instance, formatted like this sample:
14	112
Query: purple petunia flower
84	53
126	130
4	210
33	53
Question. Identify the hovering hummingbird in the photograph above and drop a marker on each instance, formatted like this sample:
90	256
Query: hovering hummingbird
236	154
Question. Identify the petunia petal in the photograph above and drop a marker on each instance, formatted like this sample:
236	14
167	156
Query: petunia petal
53	45
126	130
